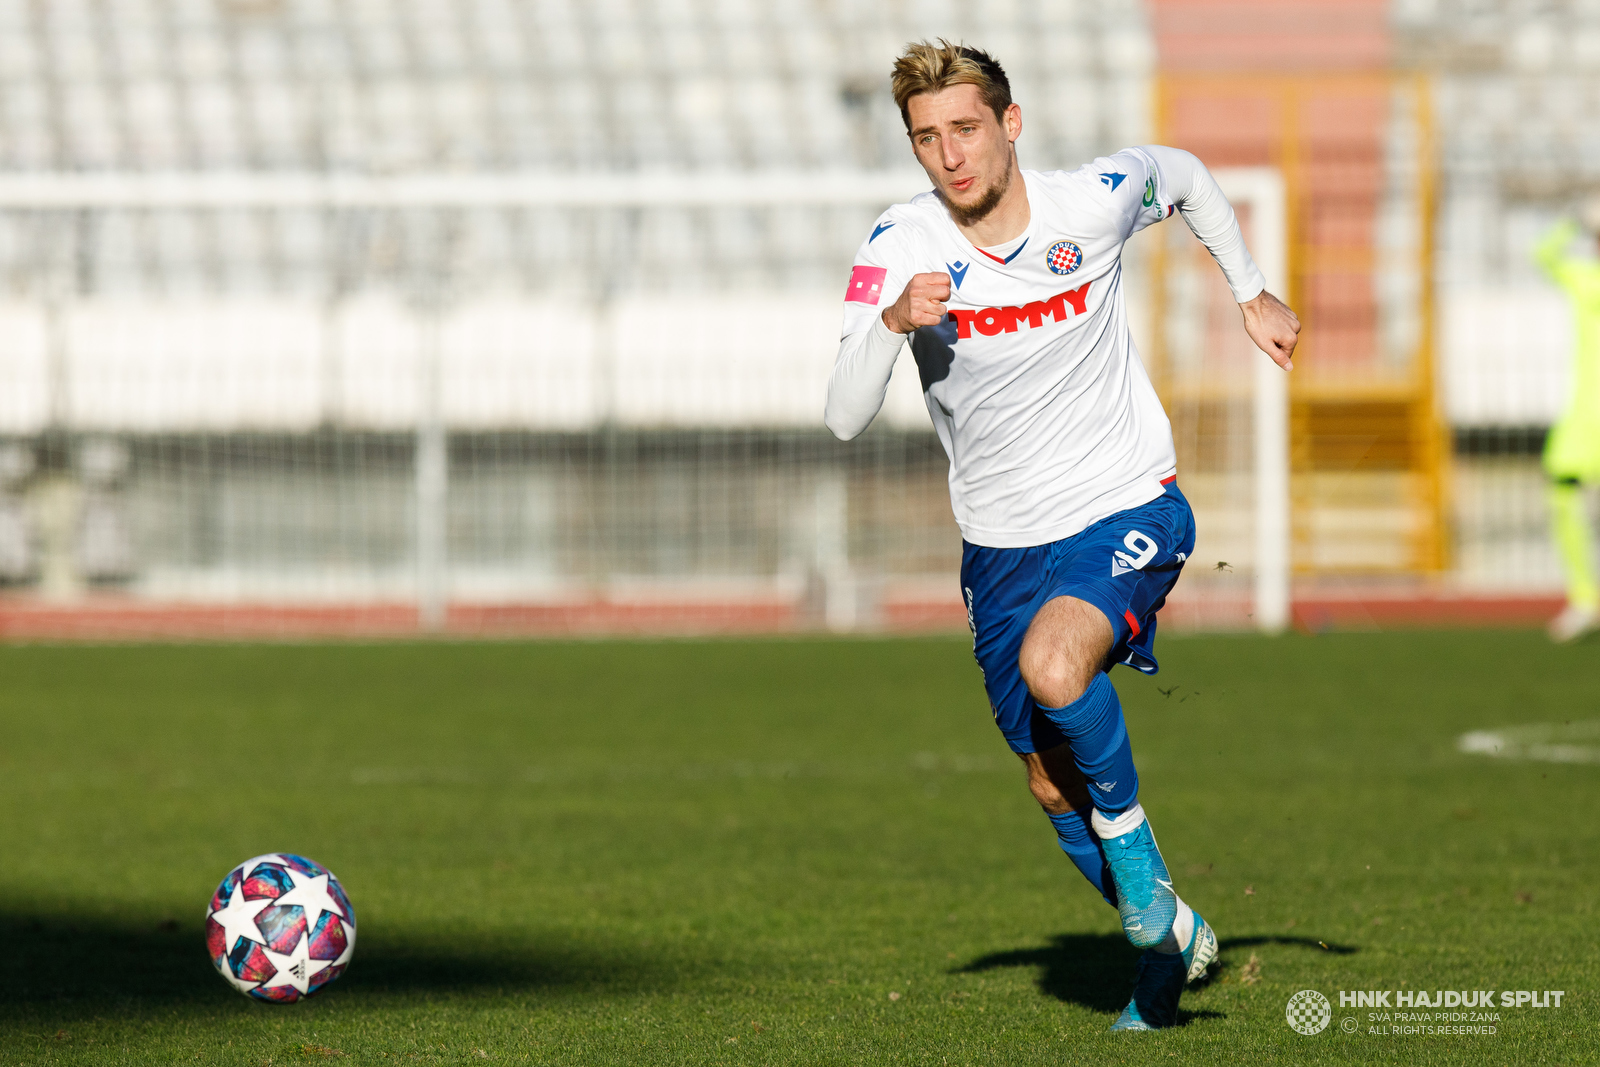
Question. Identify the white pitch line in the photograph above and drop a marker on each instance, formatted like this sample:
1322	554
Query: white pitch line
1569	742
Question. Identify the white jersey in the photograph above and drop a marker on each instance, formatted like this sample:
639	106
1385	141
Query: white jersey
1033	381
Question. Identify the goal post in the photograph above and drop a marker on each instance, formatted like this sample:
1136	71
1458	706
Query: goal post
1261	188
1229	407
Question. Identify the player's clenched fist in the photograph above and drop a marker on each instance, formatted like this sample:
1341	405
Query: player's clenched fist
922	304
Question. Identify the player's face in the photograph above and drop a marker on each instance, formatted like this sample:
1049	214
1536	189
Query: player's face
964	148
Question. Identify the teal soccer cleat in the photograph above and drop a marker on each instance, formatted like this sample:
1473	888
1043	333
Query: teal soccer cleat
1145	899
1155	992
1161	978
1201	951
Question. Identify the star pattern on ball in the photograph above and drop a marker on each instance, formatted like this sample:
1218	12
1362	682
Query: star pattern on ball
349	946
241	984
244	937
238	919
295	968
311	894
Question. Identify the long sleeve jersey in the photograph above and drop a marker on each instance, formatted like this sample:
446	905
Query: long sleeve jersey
1032	380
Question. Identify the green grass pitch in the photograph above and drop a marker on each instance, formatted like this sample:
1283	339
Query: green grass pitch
781	851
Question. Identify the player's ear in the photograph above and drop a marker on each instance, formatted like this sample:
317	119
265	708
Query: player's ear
1013	121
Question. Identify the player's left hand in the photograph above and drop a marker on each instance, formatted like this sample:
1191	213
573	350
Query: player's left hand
1273	327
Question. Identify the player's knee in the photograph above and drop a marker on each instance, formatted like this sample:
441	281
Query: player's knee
1053	679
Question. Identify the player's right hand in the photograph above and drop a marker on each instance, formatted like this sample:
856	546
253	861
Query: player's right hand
922	304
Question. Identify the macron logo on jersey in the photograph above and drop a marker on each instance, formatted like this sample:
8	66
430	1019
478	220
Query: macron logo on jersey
879	228
990	321
958	271
1112	180
866	284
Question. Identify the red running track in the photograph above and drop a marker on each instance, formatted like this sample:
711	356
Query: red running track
112	618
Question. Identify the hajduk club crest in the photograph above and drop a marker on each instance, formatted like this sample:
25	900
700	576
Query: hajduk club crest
1063	257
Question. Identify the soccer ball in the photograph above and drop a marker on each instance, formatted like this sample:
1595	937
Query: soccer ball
280	928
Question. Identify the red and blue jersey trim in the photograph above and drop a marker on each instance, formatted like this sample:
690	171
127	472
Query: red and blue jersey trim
1014	254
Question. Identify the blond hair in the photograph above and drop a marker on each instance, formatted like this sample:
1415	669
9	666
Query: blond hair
932	68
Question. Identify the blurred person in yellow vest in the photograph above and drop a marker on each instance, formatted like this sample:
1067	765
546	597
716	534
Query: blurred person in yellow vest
1572	451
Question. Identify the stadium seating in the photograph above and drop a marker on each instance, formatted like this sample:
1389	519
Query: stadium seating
290	87
1518	130
268	367
224	348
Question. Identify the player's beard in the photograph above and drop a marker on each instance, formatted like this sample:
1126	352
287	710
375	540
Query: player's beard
976	212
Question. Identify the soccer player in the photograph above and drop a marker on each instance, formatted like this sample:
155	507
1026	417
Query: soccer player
1572	451
1062	469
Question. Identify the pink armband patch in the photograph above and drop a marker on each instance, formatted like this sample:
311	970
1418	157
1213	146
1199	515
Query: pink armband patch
866	284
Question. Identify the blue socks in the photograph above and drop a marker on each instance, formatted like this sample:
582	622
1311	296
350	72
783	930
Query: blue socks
1100	747
1093	724
1112	844
1082	847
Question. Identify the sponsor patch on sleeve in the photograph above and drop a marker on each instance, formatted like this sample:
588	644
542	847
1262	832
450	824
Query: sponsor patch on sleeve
866	284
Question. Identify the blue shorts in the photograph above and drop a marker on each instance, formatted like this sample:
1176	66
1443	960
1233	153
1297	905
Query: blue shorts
1124	565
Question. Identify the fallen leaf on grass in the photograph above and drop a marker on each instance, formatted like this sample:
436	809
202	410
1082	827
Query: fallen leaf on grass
1524	897
894	996
306	1048
1249	890
1250	973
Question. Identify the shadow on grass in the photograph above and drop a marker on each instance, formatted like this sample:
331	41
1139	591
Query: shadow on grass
1096	970
92	964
